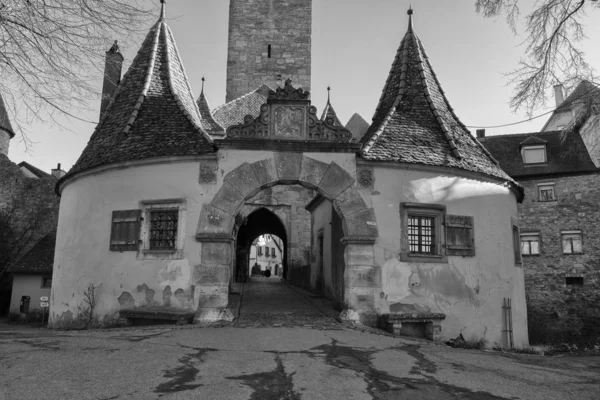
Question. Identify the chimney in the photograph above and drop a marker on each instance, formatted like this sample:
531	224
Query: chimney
480	133
559	94
112	75
58	173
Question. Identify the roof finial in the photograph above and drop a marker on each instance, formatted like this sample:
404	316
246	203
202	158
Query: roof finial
410	14
163	9
328	93
202	92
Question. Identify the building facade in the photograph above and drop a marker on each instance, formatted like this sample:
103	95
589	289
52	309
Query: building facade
560	238
415	219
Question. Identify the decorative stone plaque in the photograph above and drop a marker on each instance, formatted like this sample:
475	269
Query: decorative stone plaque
208	171
288	122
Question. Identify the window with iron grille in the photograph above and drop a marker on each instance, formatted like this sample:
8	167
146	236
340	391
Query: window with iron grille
421	234
546	192
163	229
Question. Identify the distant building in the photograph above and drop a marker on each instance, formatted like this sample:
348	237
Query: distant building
267	253
560	217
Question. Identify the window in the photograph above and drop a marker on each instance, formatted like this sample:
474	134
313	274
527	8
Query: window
125	230
269	51
534	154
571	242
46	282
574	280
546	191
273	252
259	250
516	243
266	251
163	229
424	238
530	243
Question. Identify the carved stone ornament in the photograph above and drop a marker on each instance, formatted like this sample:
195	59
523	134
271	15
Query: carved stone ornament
365	177
288	115
208	172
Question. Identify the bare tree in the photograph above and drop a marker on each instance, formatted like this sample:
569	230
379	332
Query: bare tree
52	51
552	53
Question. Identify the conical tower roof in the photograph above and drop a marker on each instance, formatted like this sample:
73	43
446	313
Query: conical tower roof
5	120
152	113
414	122
329	112
211	126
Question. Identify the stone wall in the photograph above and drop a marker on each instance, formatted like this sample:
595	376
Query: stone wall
561	308
256	24
293	199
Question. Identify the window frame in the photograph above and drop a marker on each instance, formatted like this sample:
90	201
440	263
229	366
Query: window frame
524	150
541	187
539	242
149	206
571	233
435	211
44	279
516	239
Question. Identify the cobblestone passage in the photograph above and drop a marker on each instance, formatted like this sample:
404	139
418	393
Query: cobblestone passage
272	302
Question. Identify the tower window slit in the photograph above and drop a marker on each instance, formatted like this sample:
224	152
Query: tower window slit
269	51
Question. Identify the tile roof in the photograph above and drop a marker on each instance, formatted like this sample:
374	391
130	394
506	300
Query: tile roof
234	112
37	260
329	113
583	91
209	124
34	170
152	113
565	153
5	120
358	126
414	122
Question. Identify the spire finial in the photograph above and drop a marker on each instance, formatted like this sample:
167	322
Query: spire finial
410	14
163	9
328	93
202	92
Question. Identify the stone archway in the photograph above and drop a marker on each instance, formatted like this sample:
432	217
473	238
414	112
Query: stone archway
217	219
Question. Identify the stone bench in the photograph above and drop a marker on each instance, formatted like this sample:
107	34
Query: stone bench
426	325
180	317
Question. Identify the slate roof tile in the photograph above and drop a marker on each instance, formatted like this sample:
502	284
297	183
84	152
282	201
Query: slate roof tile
358	126
208	122
565	153
234	112
34	170
152	113
39	259
329	113
414	122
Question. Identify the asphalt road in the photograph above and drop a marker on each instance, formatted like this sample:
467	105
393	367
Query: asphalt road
232	362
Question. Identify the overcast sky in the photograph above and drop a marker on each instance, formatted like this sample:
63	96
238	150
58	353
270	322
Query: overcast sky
353	45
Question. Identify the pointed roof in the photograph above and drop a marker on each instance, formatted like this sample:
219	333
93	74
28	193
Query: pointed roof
414	122
208	122
329	112
234	112
358	126
152	112
5	120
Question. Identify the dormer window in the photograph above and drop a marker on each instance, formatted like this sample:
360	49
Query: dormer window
534	154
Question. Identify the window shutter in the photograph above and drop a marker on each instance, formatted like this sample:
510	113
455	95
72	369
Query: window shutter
125	231
459	235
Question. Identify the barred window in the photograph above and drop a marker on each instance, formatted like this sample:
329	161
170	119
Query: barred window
421	234
546	191
163	229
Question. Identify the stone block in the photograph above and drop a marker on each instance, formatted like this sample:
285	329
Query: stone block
208	316
312	172
214	220
211	296
335	181
349	202
228	198
243	179
359	254
265	172
215	253
359	298
368	277
288	167
362	223
211	275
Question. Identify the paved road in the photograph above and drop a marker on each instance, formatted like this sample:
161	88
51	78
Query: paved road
326	361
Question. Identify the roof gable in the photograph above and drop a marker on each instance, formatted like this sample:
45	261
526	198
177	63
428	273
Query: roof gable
329	113
565	153
152	113
34	170
533	141
209	124
414	122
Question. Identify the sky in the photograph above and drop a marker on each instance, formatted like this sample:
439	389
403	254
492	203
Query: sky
353	45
